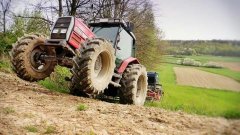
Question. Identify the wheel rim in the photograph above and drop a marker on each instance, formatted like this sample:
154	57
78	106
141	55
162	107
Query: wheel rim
101	66
36	64
140	89
98	65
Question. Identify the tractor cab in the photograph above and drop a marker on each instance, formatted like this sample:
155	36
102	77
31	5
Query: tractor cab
153	79
119	33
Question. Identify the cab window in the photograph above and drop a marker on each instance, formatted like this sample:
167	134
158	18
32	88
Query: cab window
124	46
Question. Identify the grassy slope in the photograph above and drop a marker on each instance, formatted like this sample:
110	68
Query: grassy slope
196	100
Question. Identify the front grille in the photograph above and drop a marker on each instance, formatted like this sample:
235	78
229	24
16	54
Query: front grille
58	35
61	23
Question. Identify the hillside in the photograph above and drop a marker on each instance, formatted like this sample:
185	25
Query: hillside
27	107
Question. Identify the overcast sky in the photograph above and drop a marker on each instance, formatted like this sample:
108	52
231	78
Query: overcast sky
190	19
198	19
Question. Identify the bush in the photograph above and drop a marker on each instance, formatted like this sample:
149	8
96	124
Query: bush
191	62
211	65
179	62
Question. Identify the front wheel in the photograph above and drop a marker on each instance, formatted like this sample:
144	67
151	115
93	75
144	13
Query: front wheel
134	85
24	58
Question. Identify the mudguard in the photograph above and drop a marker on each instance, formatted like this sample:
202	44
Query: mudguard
126	62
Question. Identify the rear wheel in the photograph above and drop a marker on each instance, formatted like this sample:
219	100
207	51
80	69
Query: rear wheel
25	58
134	85
93	71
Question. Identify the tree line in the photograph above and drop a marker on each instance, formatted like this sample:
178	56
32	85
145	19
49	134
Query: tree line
40	20
203	47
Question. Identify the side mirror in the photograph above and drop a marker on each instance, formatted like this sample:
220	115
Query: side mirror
130	26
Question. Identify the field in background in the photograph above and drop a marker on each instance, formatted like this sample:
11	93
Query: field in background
197	100
194	77
204	59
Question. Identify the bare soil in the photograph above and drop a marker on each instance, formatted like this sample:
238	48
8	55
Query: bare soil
198	78
235	66
24	106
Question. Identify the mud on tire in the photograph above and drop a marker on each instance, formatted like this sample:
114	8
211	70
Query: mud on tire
22	58
93	70
133	85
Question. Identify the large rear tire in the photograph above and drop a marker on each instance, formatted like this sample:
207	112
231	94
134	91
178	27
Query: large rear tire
134	85
23	58
93	70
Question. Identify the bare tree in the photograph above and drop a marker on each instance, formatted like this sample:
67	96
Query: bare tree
5	8
74	5
60	8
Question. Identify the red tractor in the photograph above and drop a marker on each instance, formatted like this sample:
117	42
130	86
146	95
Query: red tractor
101	58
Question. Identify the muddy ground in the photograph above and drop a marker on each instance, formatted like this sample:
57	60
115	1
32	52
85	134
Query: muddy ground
27	108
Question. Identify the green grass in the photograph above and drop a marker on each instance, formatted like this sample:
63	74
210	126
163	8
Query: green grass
31	128
8	110
196	100
50	130
5	65
82	107
56	81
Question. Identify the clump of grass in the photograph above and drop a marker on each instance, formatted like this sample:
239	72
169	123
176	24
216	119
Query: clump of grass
92	132
5	65
50	130
8	110
31	128
82	107
56	81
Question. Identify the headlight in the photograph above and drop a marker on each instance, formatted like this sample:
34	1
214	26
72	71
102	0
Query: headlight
55	30
63	31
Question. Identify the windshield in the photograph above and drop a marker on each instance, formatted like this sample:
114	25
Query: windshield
125	45
108	33
151	80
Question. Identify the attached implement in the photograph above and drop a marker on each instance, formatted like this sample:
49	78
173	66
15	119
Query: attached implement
155	90
101	58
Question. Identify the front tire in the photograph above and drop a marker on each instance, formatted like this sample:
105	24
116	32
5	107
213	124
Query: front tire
23	58
134	85
93	71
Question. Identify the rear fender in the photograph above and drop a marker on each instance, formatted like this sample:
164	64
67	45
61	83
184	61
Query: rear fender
127	62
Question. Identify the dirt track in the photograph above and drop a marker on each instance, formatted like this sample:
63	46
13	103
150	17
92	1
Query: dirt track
32	105
198	78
